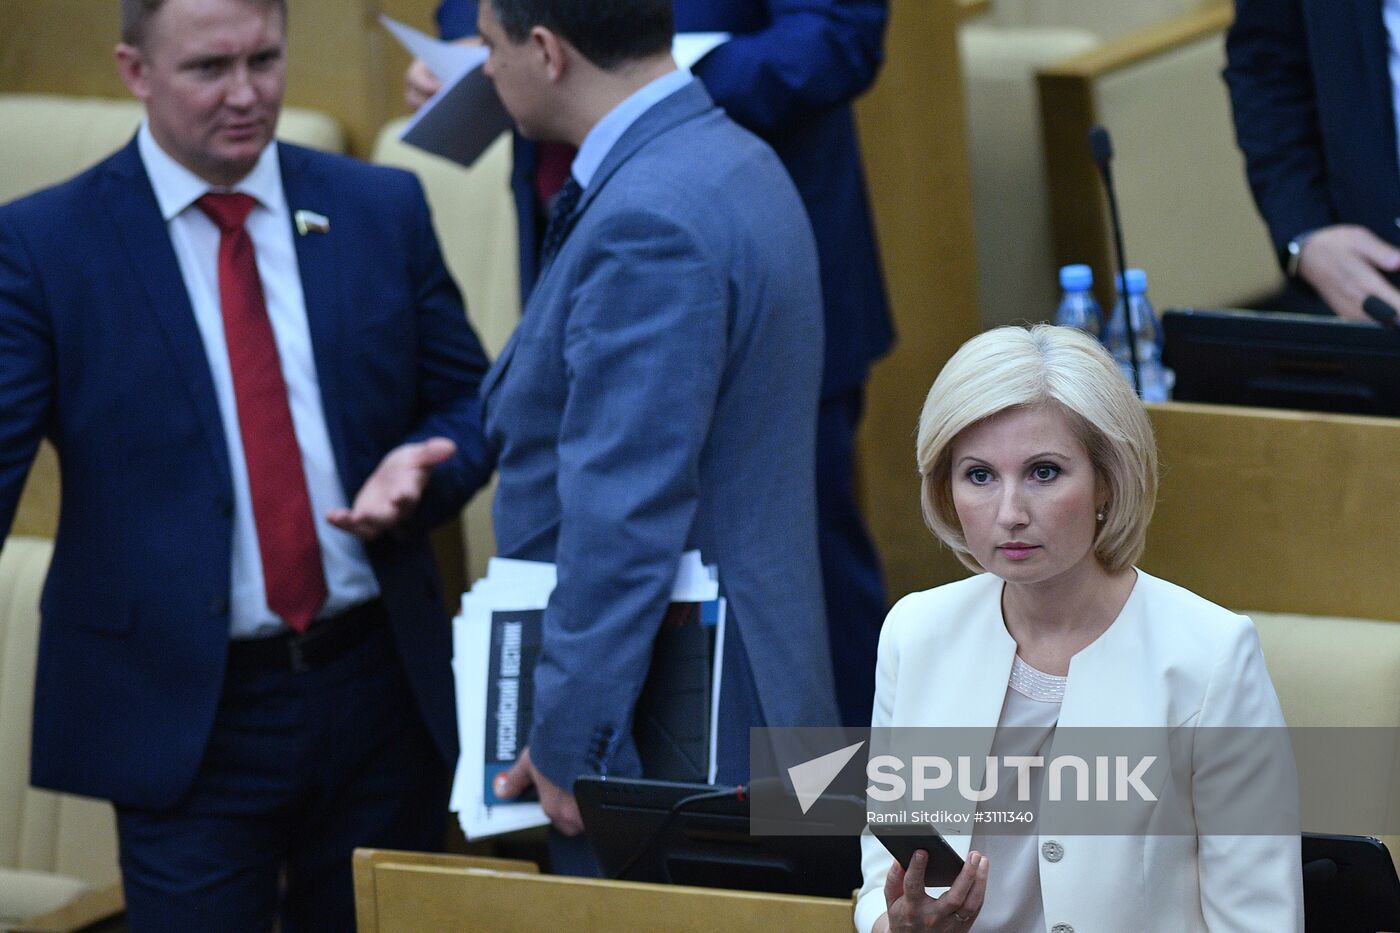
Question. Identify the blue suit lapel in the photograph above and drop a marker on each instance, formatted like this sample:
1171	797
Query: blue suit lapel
132	210
498	369
320	259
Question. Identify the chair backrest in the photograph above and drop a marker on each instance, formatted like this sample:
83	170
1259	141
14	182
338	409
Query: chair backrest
1010	203
1187	213
48	138
39	830
474	214
1106	19
1339	683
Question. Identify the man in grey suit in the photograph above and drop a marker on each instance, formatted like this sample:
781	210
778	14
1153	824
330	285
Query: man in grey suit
660	393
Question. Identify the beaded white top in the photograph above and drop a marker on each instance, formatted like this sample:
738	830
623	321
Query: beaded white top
1036	685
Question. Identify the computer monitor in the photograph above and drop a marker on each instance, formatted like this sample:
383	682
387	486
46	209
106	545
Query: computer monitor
698	834
1283	361
1349	885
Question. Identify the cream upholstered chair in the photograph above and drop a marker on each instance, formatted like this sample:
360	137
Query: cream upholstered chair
1037	74
48	138
53	847
1339	682
474	215
1001	50
1010	201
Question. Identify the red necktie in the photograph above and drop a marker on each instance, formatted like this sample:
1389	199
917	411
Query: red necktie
553	162
291	556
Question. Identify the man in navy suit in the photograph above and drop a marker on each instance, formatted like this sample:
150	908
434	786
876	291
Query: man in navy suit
262	390
658	396
1313	85
789	74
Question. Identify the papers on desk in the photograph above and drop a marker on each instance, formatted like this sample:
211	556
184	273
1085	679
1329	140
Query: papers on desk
462	119
496	644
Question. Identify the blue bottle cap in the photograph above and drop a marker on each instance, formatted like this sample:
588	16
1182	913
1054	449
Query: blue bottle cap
1076	278
1137	282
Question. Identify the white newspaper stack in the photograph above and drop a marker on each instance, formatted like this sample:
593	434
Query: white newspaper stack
513	588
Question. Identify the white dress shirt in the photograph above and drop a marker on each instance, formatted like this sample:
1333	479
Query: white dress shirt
349	576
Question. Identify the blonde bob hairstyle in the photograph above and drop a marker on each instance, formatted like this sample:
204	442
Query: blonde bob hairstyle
1017	367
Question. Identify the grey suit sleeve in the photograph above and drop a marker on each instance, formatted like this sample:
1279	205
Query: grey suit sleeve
644	349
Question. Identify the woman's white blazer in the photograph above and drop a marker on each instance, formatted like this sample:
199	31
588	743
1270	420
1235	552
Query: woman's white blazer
1170	659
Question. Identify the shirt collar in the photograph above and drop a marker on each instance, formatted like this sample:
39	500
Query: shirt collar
607	131
177	188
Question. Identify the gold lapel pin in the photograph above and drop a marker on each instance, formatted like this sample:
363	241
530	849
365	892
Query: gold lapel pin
312	222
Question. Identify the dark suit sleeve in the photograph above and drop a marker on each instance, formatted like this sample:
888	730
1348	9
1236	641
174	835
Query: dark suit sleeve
26	368
812	56
456	19
450	366
643	350
1270	75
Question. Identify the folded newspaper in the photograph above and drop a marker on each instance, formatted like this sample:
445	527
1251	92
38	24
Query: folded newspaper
496	643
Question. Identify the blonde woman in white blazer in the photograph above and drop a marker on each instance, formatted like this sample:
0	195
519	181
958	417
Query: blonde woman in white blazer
1039	471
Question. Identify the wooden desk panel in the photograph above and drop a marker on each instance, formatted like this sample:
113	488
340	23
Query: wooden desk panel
402	892
1278	511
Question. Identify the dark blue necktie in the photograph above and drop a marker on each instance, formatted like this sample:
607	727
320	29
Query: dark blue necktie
561	218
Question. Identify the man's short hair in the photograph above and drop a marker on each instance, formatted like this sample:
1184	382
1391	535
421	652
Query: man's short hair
608	33
137	15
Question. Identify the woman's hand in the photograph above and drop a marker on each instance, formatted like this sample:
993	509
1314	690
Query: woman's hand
909	908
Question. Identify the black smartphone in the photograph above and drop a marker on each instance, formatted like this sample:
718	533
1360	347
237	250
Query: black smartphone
903	839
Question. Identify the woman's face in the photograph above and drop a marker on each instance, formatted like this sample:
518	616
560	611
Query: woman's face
1026	494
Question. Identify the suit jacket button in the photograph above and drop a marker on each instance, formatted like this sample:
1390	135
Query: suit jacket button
1062	928
218	606
1053	852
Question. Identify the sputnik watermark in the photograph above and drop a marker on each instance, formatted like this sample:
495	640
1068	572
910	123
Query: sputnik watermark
1111	774
1185	780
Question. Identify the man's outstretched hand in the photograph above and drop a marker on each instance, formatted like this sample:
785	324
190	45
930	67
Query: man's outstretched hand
392	491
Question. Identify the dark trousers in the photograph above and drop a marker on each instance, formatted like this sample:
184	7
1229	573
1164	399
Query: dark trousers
851	581
300	769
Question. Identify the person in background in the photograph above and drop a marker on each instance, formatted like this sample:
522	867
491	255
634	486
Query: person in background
789	74
1315	90
659	395
262	389
1039	470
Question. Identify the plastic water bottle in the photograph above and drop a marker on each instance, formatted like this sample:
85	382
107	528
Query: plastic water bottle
1157	380
1077	305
